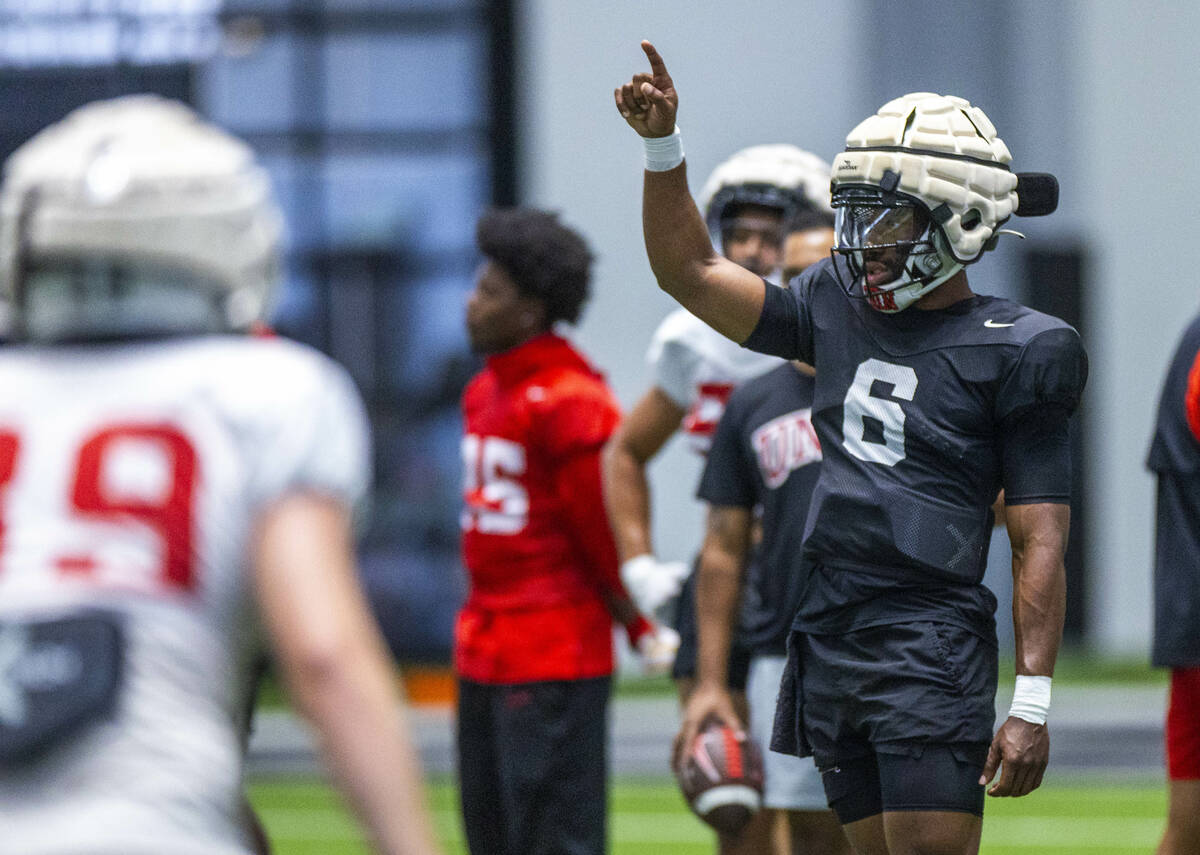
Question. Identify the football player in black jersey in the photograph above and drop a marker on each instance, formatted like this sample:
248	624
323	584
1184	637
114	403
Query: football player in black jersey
929	399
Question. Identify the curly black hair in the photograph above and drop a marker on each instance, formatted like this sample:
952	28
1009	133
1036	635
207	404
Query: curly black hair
547	260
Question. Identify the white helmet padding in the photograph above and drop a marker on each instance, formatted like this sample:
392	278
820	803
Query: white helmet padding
776	176
144	184
946	154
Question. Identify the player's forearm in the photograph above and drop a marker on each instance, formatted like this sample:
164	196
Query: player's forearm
677	242
725	296
1039	609
627	500
1039	584
719	590
351	701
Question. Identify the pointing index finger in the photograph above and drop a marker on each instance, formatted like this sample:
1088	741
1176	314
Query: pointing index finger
657	66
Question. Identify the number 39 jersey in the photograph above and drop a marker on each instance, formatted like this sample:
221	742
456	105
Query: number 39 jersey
131	477
923	416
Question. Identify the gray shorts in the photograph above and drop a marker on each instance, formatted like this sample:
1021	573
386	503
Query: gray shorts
792	783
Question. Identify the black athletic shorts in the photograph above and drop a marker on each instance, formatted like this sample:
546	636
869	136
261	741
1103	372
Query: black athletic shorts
532	765
908	776
684	666
888	690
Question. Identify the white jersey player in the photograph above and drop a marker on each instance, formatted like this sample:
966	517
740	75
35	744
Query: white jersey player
170	499
697	368
747	203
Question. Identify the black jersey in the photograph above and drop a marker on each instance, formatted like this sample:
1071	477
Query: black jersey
1175	459
922	416
765	455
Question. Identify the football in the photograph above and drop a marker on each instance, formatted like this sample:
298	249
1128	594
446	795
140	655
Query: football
721	777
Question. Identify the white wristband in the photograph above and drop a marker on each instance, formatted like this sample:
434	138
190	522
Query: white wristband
1031	699
635	568
663	153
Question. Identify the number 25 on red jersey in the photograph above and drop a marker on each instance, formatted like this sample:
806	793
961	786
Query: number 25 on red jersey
161	450
495	500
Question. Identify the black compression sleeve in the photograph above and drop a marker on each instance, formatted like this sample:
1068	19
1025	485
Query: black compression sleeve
1036	457
775	332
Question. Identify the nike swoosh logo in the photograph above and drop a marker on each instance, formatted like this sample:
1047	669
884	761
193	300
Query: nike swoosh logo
993	325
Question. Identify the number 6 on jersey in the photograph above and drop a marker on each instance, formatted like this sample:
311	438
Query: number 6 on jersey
861	405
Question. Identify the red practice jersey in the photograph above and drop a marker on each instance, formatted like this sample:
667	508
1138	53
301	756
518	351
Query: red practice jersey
536	540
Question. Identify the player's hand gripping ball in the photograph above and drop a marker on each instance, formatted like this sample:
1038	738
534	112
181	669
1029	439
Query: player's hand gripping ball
721	777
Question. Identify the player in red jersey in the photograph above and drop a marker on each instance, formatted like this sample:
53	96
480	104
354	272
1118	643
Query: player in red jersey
1175	460
533	645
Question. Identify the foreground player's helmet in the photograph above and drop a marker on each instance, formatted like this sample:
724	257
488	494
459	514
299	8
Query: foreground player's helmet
775	176
135	217
922	190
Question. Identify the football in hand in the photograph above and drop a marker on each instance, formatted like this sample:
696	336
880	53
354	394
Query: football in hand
721	777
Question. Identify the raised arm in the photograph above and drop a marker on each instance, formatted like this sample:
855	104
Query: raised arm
1038	533
336	668
727	297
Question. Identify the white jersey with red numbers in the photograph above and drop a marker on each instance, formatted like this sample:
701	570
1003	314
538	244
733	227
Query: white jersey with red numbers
131	476
698	368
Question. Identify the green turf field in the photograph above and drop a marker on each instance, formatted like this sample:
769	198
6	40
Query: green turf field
1073	817
1073	668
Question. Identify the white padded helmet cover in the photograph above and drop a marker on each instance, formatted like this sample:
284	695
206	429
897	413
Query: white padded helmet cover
946	152
785	166
145	178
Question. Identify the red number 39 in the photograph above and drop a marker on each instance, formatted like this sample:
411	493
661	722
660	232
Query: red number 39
169	515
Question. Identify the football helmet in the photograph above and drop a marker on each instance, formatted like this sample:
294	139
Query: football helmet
921	190
775	176
135	217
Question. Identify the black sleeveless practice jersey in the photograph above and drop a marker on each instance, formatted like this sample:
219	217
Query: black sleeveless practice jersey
923	416
765	456
1175	459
